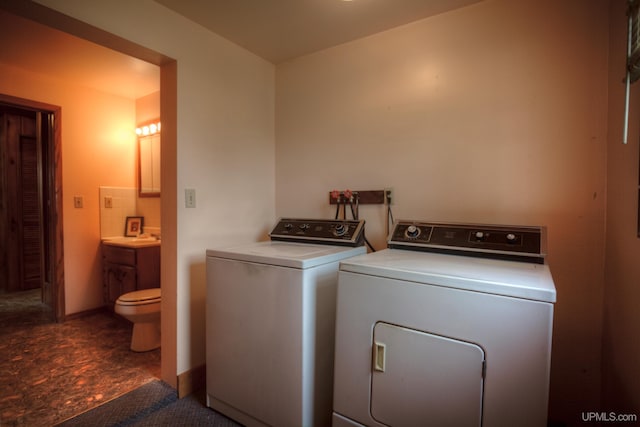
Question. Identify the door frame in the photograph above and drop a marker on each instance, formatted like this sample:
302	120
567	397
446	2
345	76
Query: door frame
52	208
169	201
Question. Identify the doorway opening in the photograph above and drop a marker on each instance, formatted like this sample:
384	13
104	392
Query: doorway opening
31	254
168	116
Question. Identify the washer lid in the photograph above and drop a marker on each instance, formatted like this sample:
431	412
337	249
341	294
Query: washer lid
141	295
499	277
287	254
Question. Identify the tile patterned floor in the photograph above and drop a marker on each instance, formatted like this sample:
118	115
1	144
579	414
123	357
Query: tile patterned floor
50	372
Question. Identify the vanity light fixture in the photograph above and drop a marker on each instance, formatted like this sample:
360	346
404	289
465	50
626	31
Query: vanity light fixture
148	129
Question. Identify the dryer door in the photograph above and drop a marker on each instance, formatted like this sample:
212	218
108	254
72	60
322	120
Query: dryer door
424	379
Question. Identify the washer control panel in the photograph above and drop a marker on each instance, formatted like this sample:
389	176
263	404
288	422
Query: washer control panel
521	243
323	231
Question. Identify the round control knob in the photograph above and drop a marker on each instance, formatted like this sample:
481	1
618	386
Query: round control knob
303	226
288	226
412	231
340	229
479	235
511	238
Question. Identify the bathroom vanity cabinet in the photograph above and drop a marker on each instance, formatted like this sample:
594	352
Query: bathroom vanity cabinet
127	269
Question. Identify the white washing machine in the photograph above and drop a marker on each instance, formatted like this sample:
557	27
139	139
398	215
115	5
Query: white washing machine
270	323
435	331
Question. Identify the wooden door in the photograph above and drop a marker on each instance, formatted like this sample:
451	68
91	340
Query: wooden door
119	279
22	251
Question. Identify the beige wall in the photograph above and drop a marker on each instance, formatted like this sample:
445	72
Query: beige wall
492	113
98	148
621	347
148	108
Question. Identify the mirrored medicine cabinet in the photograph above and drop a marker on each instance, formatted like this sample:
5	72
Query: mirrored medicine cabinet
149	160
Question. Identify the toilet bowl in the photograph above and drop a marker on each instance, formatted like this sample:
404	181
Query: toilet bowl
142	308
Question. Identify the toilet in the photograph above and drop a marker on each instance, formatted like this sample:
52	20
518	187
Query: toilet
142	308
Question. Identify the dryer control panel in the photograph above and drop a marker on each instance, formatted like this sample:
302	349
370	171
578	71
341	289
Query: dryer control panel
322	231
519	243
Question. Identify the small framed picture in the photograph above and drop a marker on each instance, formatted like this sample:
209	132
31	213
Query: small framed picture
133	226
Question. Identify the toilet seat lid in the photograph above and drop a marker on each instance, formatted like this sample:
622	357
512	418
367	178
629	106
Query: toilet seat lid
144	295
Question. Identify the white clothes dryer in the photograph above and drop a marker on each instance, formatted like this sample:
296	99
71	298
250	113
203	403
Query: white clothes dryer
434	331
270	322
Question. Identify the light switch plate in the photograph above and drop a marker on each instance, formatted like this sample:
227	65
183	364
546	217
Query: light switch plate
190	197
77	202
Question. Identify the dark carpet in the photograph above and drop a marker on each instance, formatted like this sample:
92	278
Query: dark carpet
153	404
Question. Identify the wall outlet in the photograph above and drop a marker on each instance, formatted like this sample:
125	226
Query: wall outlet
108	202
190	197
77	202
388	196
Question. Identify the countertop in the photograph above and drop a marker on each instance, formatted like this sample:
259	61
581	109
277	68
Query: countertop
132	242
